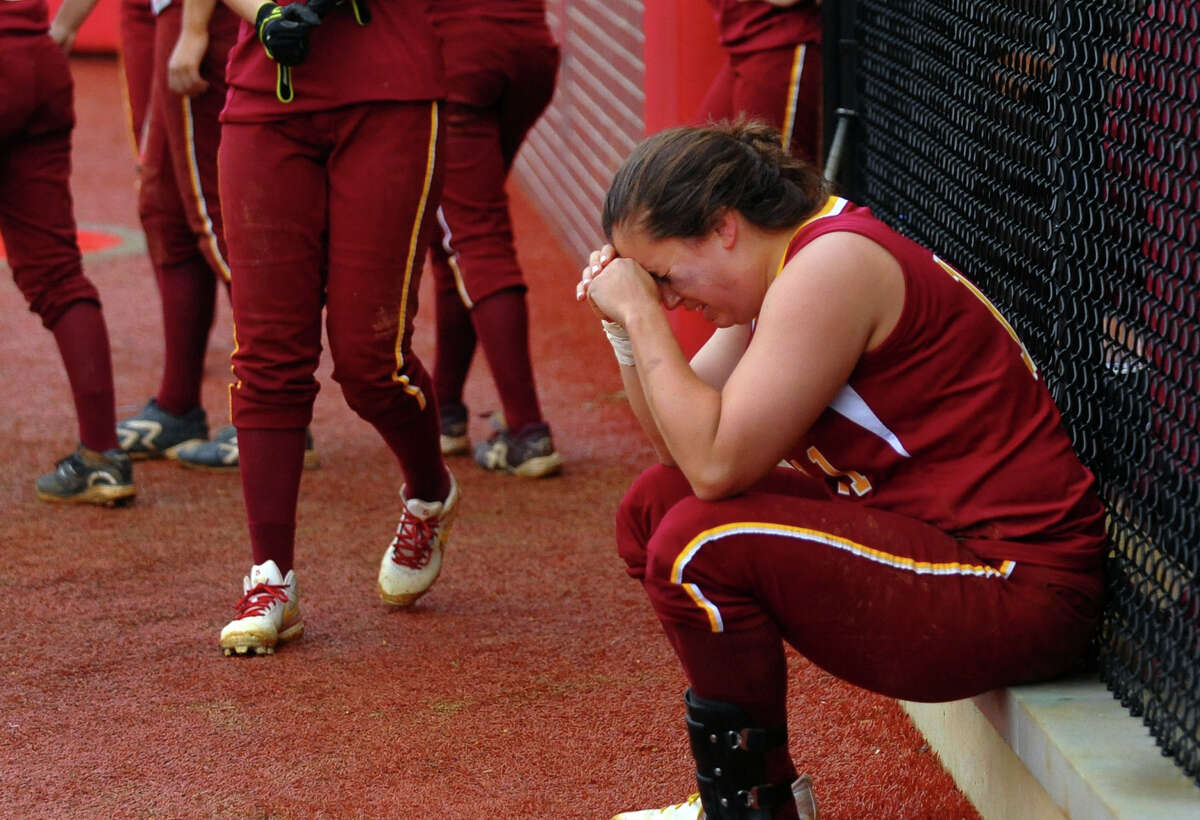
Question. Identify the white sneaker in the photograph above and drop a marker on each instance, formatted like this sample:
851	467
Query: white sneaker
414	558
268	613
690	809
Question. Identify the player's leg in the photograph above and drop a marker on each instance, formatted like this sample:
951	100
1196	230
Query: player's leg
378	237
478	236
276	175
136	65
193	130
525	448
174	417
500	81
38	227
880	600
454	345
783	87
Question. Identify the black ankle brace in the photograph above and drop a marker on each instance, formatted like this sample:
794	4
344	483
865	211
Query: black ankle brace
730	758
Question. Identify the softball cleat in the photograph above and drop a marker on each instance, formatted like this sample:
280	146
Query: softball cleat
414	558
155	433
454	438
529	454
221	454
268	613
89	477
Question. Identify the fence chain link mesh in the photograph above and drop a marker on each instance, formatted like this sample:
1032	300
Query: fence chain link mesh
1048	149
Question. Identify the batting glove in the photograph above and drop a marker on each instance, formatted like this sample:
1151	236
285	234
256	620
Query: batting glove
284	31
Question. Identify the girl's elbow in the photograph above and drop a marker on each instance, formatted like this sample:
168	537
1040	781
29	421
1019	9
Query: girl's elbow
713	485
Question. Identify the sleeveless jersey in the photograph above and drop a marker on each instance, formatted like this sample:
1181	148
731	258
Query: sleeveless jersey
24	17
394	58
948	420
758	26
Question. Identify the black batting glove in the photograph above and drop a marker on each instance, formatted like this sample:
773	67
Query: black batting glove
284	31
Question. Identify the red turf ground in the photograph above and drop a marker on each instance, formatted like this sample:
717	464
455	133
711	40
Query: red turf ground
532	681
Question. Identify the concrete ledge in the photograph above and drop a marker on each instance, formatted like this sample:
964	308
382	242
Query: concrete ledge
1062	749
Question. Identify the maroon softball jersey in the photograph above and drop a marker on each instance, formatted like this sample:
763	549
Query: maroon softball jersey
754	25
501	66
939	538
24	17
949	422
392	59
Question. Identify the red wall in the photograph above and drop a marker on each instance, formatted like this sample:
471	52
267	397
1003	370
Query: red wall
100	33
682	57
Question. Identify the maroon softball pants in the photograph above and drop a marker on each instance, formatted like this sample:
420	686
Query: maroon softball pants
781	86
883	601
37	219
329	211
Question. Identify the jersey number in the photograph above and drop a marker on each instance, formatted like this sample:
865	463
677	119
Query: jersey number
847	481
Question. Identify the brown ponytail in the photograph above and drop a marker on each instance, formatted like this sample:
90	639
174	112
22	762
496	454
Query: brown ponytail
678	183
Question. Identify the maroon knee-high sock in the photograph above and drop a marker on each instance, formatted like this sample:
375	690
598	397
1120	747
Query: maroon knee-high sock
271	462
417	449
82	338
414	442
502	324
455	346
745	668
188	294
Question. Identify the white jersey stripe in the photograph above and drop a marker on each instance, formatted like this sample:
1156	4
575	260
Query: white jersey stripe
452	259
848	404
198	195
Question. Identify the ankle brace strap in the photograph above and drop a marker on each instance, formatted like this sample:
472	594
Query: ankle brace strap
730	758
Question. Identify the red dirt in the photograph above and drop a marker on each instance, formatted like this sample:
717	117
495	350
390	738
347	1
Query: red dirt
531	682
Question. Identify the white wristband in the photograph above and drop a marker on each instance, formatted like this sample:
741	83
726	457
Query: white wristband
618	337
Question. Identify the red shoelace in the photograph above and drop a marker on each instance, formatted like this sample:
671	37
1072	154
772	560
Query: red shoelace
413	544
260	598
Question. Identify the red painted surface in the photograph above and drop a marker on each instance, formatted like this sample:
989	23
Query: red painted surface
681	57
88	241
531	683
100	33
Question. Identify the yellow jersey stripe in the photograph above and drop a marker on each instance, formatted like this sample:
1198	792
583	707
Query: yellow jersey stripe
198	197
793	92
412	261
900	562
978	294
833	206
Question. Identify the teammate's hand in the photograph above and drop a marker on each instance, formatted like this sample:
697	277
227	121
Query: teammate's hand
63	36
183	67
284	31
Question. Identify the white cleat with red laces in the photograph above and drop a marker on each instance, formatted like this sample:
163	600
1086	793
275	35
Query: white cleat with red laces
414	558
268	612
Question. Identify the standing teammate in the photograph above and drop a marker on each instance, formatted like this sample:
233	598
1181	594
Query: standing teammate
772	69
935	536
501	64
181	214
771	73
136	53
37	224
173	61
331	157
